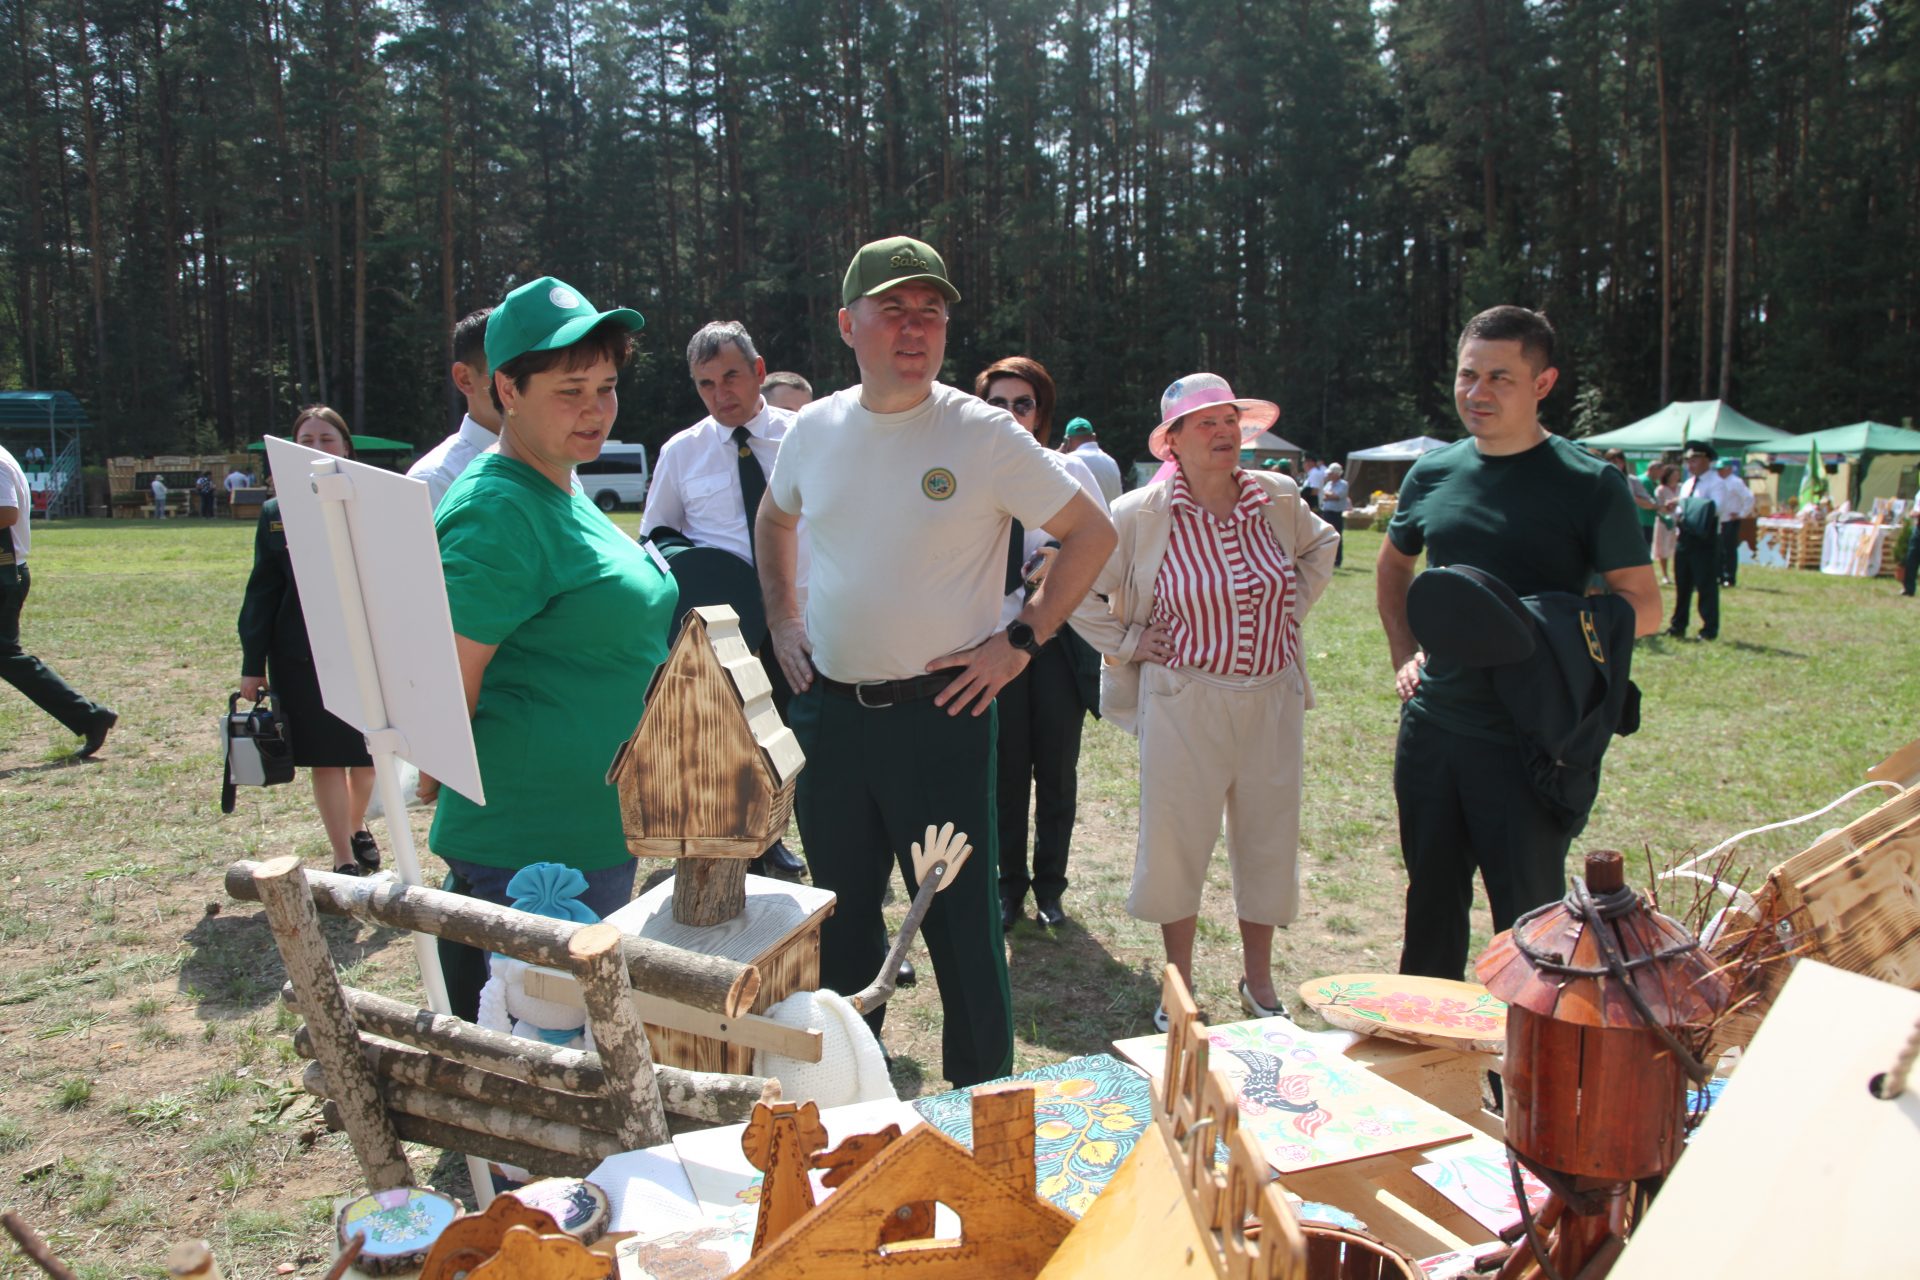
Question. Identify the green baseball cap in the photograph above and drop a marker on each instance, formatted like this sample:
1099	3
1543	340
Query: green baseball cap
881	265
1079	427
545	315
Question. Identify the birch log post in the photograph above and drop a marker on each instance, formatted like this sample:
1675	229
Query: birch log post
452	1137
709	891
632	1091
492	1118
283	891
706	982
399	1064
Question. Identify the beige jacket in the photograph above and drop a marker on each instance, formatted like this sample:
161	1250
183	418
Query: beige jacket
1114	625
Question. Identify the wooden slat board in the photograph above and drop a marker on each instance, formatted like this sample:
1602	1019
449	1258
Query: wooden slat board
1859	891
1798	1170
1429	1011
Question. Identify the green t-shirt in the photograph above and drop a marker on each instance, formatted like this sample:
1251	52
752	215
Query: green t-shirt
580	614
1543	520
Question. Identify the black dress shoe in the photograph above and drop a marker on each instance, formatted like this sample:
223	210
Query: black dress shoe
97	735
1010	910
906	977
365	852
1050	912
779	862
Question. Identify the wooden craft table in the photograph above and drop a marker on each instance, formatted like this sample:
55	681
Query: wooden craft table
778	932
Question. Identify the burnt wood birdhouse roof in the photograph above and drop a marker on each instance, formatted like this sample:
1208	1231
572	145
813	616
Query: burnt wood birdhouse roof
709	771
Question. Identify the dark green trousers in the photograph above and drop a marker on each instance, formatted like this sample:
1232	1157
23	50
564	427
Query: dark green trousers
875	779
1696	567
41	683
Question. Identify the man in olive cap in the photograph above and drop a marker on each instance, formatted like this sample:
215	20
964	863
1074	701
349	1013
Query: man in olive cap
908	487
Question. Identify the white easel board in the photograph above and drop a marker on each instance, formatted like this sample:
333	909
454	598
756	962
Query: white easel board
396	561
1799	1170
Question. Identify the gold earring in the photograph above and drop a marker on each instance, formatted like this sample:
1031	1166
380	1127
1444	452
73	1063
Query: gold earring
513	413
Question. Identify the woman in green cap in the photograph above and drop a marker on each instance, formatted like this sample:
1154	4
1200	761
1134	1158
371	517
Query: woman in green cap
559	618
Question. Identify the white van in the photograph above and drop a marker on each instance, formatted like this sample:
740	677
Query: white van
618	477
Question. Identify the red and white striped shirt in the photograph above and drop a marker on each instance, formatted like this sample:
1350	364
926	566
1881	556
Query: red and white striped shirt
1226	588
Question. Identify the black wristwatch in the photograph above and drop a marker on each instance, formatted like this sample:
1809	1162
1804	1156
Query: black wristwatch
1020	636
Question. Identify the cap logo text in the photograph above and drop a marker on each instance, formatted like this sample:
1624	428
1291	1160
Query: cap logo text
909	259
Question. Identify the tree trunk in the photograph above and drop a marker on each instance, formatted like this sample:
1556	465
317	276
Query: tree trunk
360	127
1733	240
96	251
1706	264
1666	224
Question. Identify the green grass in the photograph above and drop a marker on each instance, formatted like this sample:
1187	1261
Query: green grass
115	979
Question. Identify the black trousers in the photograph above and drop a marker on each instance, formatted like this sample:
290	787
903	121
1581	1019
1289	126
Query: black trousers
1729	554
1696	567
41	683
875	779
1466	805
1041	717
1913	561
1338	519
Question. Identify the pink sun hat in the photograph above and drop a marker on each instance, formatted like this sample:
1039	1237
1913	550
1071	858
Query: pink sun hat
1197	391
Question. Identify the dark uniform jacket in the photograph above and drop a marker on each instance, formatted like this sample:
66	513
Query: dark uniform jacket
270	617
1572	696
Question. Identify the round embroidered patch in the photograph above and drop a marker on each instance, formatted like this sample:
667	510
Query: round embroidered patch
562	298
938	484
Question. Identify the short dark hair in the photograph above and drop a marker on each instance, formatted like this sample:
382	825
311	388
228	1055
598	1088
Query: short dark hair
1035	375
785	378
470	338
713	337
608	340
1530	329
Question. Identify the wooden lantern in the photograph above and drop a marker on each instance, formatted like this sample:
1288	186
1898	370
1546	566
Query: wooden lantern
1596	987
708	775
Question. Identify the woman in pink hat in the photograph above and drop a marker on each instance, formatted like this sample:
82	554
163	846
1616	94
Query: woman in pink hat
1200	625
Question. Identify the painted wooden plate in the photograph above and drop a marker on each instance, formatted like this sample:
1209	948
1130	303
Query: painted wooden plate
400	1225
579	1208
1424	1011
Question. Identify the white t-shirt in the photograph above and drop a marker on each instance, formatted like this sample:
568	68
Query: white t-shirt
15	493
1315	478
909	515
159	488
1014	601
1105	470
441	465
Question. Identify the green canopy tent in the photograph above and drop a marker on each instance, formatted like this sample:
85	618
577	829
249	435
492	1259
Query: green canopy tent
42	430
1880	461
1714	421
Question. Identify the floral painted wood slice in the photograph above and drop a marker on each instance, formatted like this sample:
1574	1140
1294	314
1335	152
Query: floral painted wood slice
1426	1011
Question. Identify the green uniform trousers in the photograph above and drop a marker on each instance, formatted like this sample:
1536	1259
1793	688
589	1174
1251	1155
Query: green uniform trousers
27	673
875	779
1696	567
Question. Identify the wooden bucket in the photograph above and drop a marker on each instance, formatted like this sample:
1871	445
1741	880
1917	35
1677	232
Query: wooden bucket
1343	1253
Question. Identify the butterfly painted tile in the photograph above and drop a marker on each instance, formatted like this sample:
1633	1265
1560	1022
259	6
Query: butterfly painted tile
1475	1176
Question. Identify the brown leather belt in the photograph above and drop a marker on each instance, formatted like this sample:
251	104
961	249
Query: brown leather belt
875	694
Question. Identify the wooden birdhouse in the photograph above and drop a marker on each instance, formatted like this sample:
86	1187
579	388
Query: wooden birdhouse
1608	1002
708	775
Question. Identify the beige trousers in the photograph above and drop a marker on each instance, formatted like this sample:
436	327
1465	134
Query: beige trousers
1207	745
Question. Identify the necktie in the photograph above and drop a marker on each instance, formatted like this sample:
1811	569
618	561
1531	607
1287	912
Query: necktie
1016	557
753	481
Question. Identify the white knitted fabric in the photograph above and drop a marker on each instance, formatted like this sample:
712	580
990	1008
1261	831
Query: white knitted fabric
851	1066
506	1006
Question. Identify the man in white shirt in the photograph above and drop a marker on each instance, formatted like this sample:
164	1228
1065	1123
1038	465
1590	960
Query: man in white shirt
480	429
159	491
1310	485
1696	560
909	488
237	480
1733	515
81	715
712	475
1084	445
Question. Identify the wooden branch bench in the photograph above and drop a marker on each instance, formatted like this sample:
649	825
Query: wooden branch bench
392	1071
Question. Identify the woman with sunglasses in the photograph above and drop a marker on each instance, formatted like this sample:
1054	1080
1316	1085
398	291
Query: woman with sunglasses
1044	708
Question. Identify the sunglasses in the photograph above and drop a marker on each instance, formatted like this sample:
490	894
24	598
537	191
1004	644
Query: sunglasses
1023	406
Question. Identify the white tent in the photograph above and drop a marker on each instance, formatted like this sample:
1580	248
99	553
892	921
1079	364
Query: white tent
1269	445
1385	466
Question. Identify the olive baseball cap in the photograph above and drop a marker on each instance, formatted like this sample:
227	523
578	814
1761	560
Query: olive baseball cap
881	265
1079	427
545	315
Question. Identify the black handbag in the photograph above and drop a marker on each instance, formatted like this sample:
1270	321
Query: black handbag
255	747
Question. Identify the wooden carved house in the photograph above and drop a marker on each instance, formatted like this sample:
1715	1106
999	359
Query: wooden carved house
708	775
